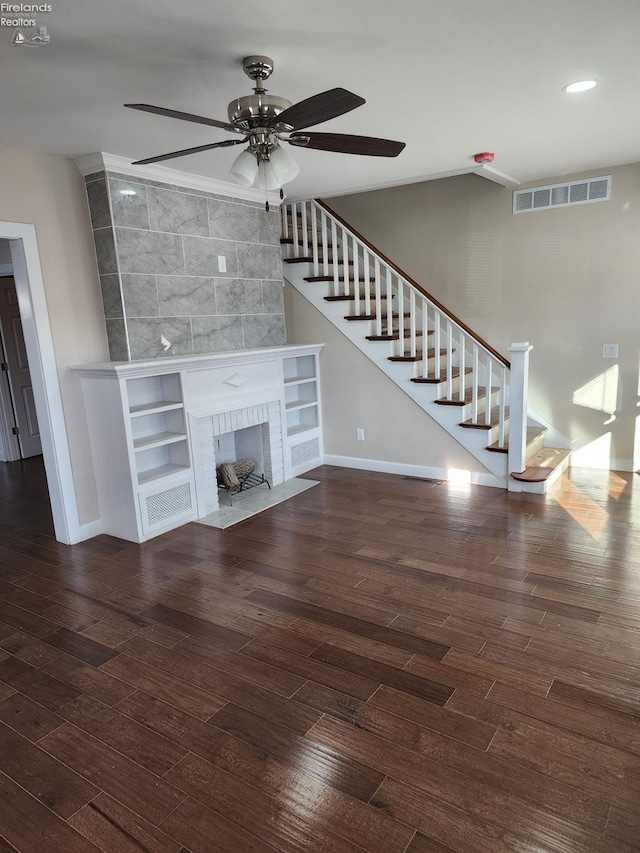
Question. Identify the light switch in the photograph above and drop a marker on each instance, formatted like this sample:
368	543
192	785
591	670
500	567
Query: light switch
222	263
609	350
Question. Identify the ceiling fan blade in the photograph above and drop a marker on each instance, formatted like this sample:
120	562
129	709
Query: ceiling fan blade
186	151
345	143
162	111
319	108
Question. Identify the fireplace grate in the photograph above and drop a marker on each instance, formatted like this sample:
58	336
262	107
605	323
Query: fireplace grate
246	482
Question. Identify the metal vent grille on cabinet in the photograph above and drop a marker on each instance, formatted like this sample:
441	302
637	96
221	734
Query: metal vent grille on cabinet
562	195
307	451
167	504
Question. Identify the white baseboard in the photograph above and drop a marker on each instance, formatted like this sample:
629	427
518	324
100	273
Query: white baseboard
475	478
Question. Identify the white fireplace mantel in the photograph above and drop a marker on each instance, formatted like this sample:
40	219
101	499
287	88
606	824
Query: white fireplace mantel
147	420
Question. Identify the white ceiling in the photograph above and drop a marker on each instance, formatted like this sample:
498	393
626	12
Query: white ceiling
448	77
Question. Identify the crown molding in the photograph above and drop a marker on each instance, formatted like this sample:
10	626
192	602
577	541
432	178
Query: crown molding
102	161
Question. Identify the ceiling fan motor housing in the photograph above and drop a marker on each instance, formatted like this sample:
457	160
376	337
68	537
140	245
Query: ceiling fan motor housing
255	111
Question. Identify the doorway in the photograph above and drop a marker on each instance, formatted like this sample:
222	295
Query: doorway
45	385
19	430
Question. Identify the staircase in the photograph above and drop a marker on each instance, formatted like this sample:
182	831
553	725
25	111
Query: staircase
455	376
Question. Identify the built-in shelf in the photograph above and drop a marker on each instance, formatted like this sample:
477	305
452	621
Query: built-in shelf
154	408
150	476
288	382
296	430
160	439
298	404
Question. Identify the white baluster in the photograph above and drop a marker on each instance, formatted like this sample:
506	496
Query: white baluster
377	292
334	258
474	383
389	292
400	307
346	286
314	238
356	275
294	226
436	343
449	383
461	365
425	337
325	248
412	323
366	273
305	235
487	405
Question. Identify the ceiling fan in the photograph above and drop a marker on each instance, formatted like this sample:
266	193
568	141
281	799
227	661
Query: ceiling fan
265	121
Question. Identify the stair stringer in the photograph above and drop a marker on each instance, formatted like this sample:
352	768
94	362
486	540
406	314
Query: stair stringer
475	441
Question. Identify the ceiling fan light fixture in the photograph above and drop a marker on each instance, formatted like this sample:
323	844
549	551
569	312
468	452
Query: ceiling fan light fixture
284	167
267	179
244	169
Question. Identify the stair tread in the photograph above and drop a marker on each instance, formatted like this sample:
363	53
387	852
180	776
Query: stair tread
393	336
315	278
373	317
342	298
434	380
494	420
417	357
468	397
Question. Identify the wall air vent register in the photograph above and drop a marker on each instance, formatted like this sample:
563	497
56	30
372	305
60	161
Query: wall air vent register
562	195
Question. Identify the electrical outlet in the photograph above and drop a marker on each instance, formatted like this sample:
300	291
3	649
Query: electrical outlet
222	263
609	350
360	434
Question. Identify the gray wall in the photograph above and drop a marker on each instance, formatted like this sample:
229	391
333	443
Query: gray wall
158	246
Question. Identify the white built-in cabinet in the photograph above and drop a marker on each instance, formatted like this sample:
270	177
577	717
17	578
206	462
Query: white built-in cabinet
142	419
302	407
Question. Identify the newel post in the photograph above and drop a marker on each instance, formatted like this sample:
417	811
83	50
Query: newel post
519	354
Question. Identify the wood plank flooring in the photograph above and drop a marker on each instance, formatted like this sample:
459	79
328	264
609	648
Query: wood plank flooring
380	664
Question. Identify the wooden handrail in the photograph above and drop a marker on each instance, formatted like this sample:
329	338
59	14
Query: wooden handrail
415	284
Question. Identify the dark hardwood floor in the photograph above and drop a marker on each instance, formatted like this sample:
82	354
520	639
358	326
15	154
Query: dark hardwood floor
379	664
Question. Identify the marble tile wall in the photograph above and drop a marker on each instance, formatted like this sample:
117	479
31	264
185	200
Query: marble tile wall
165	290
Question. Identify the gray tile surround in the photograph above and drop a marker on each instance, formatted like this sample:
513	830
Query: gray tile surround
178	213
145	337
217	334
111	296
184	296
160	276
201	256
140	294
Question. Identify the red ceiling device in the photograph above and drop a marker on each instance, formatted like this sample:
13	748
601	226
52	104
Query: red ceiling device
484	157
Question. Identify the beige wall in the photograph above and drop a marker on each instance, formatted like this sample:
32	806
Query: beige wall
356	393
48	192
567	280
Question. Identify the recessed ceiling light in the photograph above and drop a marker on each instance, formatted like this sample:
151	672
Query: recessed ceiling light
580	86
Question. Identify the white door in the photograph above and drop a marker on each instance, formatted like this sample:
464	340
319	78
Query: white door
18	370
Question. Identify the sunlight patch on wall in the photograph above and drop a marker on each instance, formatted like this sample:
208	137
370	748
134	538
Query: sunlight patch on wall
600	393
596	454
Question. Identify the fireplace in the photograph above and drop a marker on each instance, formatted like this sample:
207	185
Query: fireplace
253	432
